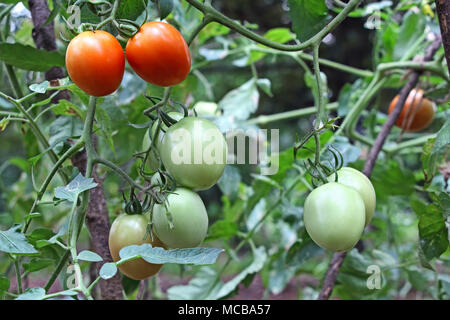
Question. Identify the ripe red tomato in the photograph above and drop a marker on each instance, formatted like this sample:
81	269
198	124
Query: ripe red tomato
95	62
129	230
417	113
159	54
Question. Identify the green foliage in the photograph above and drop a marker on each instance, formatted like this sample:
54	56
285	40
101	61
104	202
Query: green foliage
256	227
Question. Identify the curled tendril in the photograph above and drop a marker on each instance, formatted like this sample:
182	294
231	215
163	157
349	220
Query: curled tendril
134	205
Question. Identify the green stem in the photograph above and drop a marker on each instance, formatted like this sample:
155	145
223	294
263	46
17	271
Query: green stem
18	276
72	150
119	171
111	17
36	131
61	263
320	117
309	57
204	23
217	16
264	119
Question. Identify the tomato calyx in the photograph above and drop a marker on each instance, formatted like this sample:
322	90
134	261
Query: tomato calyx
134	205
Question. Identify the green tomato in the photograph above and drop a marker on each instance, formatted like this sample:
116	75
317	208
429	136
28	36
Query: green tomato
129	230
204	108
357	180
152	160
334	216
194	152
189	219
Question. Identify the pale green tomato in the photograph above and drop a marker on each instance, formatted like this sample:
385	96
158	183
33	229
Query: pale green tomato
204	108
194	152
152	160
359	181
189	218
334	216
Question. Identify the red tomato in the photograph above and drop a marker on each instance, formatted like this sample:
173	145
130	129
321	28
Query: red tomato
417	113
159	54
95	62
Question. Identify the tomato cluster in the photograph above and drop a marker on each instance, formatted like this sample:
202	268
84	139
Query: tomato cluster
193	151
336	213
158	53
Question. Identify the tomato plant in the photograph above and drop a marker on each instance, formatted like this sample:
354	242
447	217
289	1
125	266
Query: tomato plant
417	112
194	152
335	216
95	62
188	222
128	230
357	180
159	54
246	146
153	162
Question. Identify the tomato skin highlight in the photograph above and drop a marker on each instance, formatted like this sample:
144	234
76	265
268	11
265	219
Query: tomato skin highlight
414	116
194	152
129	230
334	216
159	54
189	216
95	62
359	181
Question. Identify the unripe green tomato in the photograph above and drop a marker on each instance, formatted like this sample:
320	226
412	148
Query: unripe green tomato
204	108
152	160
334	216
194	152
189	218
129	230
359	181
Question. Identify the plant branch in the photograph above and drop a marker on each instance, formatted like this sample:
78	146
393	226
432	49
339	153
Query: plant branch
217	16
443	11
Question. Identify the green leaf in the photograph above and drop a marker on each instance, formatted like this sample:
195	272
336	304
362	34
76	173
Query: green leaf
412	28
66	108
108	270
264	85
32	294
29	58
433	233
205	285
104	122
158	255
40	87
37	264
4	284
387	179
165	8
78	185
12	241
87	255
62	129
308	17
420	279
280	35
229	181
212	30
222	229
241	102
131	9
